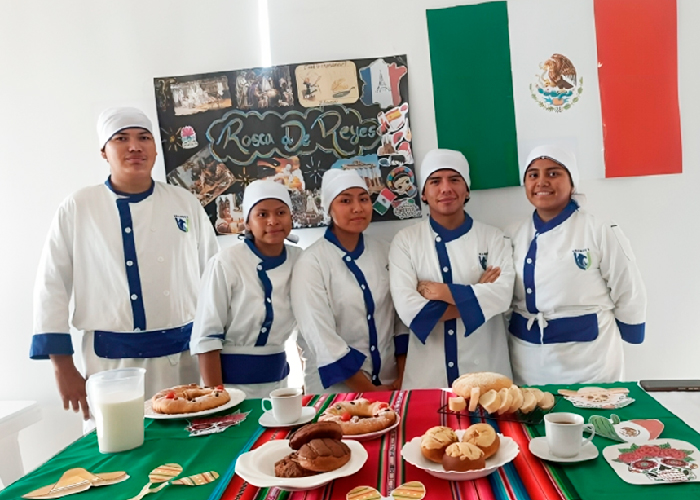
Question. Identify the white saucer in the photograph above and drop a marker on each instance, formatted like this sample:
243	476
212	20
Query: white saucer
307	414
540	448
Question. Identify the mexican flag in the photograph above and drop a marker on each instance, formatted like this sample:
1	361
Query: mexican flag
597	76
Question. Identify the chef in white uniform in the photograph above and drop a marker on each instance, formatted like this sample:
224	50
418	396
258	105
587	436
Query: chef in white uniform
350	336
452	280
578	291
122	265
244	315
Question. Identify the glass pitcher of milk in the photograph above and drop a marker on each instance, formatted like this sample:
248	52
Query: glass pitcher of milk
116	401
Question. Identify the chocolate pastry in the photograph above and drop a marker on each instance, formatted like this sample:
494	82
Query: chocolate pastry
289	467
323	455
319	430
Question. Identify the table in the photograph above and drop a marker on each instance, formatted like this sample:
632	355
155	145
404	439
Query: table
14	416
525	478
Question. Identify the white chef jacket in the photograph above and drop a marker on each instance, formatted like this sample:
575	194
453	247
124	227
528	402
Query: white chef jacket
578	294
345	314
131	266
245	311
439	352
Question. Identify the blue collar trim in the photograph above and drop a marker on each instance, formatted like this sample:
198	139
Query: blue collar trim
448	235
267	261
355	254
131	198
543	227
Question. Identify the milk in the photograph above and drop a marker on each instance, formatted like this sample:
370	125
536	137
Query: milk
119	419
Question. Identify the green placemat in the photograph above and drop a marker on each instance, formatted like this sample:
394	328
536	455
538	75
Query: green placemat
165	441
595	479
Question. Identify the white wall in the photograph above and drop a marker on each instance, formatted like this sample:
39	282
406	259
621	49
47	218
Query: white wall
62	62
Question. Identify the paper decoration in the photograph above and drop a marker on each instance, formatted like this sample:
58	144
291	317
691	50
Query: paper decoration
632	431
197	479
414	490
214	425
598	397
660	461
75	481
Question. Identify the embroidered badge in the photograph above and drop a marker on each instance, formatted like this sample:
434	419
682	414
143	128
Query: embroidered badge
483	257
582	258
183	223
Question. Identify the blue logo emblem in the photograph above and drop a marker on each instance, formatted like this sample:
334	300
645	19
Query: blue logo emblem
182	223
582	259
483	256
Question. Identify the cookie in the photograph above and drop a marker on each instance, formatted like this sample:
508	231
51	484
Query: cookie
289	467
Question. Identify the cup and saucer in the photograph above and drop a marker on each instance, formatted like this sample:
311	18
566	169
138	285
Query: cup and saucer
564	441
286	409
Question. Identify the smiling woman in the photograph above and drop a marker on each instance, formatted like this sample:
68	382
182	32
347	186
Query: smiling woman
578	293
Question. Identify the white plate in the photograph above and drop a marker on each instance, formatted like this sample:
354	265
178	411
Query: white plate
655	468
268	420
258	467
372	435
540	448
237	396
505	454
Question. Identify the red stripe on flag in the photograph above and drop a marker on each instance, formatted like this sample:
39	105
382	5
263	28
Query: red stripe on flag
638	73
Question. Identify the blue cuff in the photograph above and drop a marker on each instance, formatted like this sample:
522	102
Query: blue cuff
427	318
469	308
401	344
343	369
44	344
632	334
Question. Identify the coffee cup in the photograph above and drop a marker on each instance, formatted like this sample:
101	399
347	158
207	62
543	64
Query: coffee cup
564	433
285	405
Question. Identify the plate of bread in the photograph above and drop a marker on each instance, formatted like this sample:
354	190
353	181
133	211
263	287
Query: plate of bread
460	455
314	456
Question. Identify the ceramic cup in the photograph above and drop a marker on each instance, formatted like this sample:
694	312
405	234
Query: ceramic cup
285	403
565	433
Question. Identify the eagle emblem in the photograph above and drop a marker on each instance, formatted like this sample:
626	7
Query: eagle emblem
558	87
582	259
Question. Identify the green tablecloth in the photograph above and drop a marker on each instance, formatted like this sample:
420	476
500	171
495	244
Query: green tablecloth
195	454
595	479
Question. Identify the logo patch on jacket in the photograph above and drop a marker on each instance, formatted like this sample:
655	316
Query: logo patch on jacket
582	258
183	223
483	257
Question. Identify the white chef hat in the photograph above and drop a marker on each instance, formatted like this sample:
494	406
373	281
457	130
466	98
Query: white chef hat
112	120
260	190
439	159
557	154
337	180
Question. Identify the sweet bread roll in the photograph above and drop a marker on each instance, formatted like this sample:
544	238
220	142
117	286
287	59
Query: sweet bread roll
461	457
539	395
435	441
474	398
490	401
547	402
506	400
484	381
456	404
484	437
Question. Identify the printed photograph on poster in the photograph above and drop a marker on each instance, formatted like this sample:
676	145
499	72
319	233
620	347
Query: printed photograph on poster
198	96
262	88
290	124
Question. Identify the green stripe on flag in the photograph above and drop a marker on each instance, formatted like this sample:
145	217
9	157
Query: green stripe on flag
473	90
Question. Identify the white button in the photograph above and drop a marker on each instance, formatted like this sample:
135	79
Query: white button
129	263
160	259
127	230
374	377
263	329
445	269
450	332
450	364
166	293
529	290
348	258
362	286
137	329
373	348
134	297
529	260
259	268
269	300
369	316
438	239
